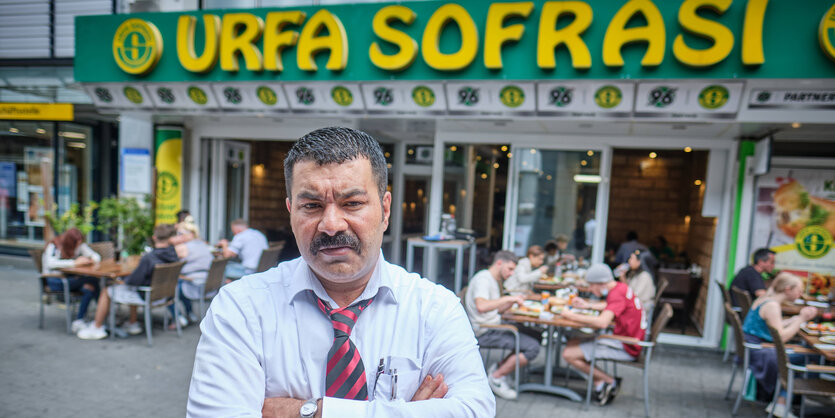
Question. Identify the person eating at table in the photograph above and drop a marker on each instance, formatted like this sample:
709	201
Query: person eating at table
485	304
69	250
636	274
556	250
128	292
751	278
621	307
529	270
247	245
765	312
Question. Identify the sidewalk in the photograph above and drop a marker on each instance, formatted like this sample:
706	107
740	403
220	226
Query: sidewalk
49	373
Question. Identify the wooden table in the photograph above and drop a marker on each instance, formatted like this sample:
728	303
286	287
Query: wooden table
105	271
811	340
548	386
792	308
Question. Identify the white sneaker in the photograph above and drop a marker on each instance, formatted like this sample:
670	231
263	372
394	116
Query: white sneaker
92	333
183	321
193	317
492	369
501	388
132	328
78	325
780	411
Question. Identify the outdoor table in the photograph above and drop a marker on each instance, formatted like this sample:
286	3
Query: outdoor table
812	339
791	308
548	386
105	271
430	247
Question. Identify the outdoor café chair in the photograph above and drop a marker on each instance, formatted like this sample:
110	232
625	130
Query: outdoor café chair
643	360
679	294
105	249
46	293
214	280
726	298
787	370
462	294
269	257
743	299
162	292
743	354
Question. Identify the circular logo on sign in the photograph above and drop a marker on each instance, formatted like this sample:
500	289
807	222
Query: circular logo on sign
423	96
561	96
167	186
468	96
383	96
662	96
266	95
342	96
137	46
713	97
103	94
233	95
166	95
826	33
512	96
305	96
608	96
133	95
197	95
813	241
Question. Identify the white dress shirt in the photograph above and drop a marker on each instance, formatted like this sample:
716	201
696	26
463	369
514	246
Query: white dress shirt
264	336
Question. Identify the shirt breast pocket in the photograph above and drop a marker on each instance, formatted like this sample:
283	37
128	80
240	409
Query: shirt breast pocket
400	381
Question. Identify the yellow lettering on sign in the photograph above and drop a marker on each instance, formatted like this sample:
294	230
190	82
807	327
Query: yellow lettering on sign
311	43
752	32
550	37
186	27
276	39
496	34
617	35
407	47
723	39
239	33
465	55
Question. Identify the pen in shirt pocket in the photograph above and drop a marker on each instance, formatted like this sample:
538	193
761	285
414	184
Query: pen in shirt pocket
394	384
380	369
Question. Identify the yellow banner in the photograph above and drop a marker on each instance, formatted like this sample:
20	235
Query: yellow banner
168	161
36	111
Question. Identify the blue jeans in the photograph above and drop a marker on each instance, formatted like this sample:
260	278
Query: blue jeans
235	270
186	301
76	283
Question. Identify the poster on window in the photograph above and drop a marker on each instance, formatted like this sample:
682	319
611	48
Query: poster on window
795	217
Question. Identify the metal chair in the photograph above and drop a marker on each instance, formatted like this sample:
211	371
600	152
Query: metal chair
743	353
802	387
163	291
743	299
214	280
462	295
46	293
643	360
269	257
106	249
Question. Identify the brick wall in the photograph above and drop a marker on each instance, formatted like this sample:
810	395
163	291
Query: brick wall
267	211
658	196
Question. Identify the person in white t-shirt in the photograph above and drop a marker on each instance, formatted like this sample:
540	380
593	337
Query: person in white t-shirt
247	245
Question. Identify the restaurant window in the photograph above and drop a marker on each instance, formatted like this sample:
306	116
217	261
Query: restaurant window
74	174
556	194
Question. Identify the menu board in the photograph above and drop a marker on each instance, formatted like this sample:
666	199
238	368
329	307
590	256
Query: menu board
795	217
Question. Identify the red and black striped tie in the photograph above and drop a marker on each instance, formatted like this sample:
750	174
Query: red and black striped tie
345	372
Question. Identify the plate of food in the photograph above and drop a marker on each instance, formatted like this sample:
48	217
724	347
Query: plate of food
824	328
530	308
796	209
828	339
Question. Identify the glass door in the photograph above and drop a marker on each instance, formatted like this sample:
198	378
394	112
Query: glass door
554	193
415	207
228	182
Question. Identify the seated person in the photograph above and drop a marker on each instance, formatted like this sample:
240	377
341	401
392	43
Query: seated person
485	304
247	245
163	252
766	311
198	257
752	278
69	250
662	250
528	271
556	251
621	307
636	274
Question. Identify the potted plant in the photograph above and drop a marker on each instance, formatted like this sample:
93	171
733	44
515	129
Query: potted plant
136	222
74	217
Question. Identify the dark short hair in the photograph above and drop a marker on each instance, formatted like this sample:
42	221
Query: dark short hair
504	255
631	236
163	232
181	215
535	250
762	254
336	145
551	245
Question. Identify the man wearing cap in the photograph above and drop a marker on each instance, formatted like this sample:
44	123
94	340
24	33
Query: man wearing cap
622	307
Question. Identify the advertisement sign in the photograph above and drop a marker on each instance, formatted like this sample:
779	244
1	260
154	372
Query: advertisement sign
251	96
698	100
791	99
795	217
120	95
136	170
586	99
36	111
324	97
486	98
404	98
168	160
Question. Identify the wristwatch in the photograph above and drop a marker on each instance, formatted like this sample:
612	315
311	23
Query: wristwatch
309	408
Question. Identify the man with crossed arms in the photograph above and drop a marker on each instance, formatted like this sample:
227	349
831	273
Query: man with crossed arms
338	332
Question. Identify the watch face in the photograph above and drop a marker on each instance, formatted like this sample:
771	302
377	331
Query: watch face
308	409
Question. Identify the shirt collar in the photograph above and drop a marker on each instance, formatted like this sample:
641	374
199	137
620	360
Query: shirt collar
380	286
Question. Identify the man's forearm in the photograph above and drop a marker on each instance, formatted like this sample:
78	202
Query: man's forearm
286	408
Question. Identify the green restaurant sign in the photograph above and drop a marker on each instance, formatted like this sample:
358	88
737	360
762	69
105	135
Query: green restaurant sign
466	40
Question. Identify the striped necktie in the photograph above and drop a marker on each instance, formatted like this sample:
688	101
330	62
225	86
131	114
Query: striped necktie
345	372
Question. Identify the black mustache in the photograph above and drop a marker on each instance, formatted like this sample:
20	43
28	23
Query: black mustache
330	241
